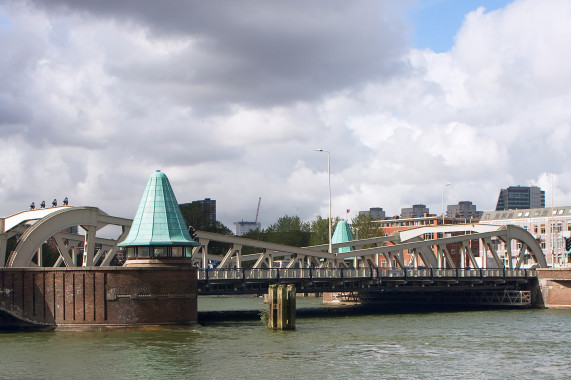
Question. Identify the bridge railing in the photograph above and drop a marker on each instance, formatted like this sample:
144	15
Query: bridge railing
279	274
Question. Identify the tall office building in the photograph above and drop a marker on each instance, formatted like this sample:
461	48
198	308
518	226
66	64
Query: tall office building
520	197
416	211
376	213
200	214
463	210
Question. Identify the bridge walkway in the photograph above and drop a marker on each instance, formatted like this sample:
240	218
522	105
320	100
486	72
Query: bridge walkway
228	281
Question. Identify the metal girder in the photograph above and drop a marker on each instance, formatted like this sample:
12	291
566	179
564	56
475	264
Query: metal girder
429	251
261	244
521	255
63	251
263	259
488	245
113	251
468	253
51	223
235	249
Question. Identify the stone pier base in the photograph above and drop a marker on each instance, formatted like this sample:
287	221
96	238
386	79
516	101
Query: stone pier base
93	298
555	284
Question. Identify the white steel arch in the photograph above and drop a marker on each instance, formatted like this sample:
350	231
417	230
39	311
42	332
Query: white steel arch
91	219
485	232
432	252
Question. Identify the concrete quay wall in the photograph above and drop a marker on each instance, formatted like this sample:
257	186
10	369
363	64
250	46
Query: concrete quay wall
79	298
555	284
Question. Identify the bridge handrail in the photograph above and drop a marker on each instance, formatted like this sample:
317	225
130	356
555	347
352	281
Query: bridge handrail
284	274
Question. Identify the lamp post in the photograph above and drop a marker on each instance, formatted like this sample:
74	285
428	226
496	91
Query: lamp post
329	179
443	187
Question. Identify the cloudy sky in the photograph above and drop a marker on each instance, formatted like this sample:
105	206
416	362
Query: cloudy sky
232	98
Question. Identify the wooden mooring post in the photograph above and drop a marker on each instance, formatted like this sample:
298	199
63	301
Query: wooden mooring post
281	315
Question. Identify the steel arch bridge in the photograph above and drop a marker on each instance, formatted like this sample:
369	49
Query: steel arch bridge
37	226
427	252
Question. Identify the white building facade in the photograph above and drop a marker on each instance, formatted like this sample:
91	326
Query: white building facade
243	227
550	226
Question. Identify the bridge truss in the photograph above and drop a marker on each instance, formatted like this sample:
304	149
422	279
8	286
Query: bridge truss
427	247
35	227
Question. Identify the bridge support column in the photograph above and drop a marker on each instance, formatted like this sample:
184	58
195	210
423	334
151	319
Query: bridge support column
281	314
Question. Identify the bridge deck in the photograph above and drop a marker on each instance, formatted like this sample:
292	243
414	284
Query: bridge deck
313	280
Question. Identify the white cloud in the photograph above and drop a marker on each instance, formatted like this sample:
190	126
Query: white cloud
95	98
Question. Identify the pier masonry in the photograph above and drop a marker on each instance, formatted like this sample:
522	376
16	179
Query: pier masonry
555	284
95	298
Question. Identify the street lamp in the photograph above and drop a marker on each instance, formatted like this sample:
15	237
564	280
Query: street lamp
329	175
443	187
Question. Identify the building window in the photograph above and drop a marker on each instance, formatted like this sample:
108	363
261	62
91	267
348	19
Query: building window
543	246
176	251
160	252
535	229
543	228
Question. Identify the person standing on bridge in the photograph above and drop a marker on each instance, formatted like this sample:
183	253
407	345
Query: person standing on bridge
54	203
43	204
33	206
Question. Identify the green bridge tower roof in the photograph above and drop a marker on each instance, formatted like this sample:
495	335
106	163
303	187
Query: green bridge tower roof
158	220
342	234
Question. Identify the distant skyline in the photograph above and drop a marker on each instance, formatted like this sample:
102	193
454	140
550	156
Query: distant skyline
231	99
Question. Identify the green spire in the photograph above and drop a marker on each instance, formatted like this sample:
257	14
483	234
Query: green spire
158	220
342	234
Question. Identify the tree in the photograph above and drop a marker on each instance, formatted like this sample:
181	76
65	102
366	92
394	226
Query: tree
289	230
362	227
288	224
320	230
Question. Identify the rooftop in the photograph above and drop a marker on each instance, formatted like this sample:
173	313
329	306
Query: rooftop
342	234
527	213
158	220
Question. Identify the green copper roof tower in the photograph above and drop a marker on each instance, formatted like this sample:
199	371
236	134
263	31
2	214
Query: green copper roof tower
342	235
158	229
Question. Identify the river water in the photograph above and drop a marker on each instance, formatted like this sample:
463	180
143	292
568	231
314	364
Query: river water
514	344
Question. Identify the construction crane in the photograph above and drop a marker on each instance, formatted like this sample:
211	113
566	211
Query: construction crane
258	210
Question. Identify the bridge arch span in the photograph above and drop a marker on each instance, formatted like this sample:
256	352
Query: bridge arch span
506	233
90	219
